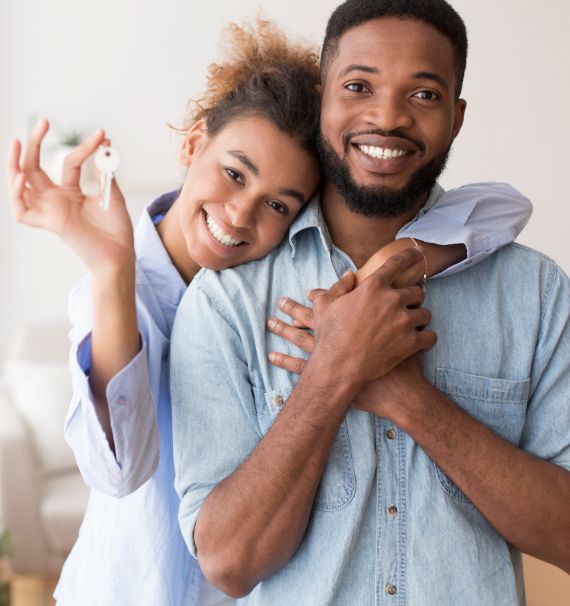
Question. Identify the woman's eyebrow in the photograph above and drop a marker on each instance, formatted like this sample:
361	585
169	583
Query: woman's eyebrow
284	191
245	160
292	193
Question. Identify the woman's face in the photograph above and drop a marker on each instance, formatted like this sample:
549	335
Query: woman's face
243	188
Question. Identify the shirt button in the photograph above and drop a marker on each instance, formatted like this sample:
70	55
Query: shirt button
122	400
278	400
391	433
392	511
391	589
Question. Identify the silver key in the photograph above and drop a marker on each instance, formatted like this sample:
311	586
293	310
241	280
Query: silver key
107	162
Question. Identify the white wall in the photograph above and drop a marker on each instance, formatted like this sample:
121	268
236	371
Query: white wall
130	66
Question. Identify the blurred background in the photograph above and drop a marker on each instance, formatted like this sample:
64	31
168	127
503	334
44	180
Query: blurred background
131	66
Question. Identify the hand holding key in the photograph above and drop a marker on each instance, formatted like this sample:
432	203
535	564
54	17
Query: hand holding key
102	238
106	162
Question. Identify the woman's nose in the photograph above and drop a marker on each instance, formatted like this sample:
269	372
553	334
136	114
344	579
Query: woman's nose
241	212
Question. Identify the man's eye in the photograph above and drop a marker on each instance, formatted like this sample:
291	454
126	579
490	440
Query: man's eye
278	206
233	174
426	95
356	87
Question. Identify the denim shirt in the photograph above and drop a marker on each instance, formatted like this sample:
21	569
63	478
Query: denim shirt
387	526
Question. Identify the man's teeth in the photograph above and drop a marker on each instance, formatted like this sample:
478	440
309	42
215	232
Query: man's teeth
382	152
219	234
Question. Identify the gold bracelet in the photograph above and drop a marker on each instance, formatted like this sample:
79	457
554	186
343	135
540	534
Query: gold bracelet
416	245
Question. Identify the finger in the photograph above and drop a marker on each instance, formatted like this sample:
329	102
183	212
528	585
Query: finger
116	193
412	275
420	317
301	338
412	296
14	162
301	314
295	365
312	294
426	339
395	265
343	286
31	163
74	160
17	197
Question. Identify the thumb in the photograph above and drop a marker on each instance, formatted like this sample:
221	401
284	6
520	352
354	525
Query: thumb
343	286
116	193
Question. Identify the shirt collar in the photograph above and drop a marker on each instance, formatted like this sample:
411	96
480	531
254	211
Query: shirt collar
149	248
312	218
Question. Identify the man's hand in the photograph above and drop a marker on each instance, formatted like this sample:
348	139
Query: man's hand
364	332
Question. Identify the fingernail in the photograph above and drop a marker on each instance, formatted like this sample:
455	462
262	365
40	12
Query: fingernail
271	322
346	273
281	301
271	357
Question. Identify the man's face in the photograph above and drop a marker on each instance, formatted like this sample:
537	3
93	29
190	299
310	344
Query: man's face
389	114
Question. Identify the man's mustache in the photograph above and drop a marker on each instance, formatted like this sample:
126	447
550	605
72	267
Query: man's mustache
396	133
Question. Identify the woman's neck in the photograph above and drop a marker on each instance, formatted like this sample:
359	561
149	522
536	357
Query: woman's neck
173	240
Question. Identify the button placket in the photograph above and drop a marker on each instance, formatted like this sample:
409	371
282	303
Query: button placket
388	529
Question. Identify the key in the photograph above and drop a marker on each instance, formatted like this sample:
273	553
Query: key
107	162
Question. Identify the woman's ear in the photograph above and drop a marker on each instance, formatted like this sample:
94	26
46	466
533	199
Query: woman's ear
195	136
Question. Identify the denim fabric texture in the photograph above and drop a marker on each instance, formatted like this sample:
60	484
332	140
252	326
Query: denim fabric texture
388	526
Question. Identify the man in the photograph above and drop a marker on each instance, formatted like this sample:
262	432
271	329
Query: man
290	491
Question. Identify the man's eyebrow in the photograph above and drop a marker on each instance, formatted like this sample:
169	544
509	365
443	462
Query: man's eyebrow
356	67
431	76
293	193
245	160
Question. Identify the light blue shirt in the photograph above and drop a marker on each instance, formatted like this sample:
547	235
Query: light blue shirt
503	354
130	550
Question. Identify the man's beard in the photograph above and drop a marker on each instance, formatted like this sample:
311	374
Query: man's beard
378	201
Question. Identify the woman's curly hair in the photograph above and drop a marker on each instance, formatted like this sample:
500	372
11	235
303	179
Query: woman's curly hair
266	76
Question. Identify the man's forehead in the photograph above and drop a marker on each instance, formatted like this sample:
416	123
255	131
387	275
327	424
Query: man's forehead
380	43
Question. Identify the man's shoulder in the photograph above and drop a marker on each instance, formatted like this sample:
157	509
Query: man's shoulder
514	259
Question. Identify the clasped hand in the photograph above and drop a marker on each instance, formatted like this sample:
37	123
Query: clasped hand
369	329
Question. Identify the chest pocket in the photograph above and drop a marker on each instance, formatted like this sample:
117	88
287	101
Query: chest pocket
338	482
497	403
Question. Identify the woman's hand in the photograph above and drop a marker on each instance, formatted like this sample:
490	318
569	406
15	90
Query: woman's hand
296	333
102	238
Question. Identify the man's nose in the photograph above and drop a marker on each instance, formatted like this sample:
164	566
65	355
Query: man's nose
389	112
242	211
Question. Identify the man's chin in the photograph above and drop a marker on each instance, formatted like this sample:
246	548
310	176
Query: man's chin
386	199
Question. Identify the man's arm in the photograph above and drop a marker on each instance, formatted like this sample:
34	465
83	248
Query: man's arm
525	498
523	491
252	522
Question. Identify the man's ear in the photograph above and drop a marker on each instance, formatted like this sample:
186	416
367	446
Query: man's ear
460	107
193	140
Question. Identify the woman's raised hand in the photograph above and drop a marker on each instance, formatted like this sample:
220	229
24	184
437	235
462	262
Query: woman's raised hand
102	238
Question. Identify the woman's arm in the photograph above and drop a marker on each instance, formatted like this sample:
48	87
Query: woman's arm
104	240
463	227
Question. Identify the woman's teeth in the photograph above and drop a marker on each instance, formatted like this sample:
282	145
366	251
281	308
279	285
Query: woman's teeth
219	234
382	152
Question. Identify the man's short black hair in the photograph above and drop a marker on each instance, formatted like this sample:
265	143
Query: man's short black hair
437	13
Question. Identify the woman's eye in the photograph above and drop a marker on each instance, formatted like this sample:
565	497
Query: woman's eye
278	206
426	95
356	87
233	174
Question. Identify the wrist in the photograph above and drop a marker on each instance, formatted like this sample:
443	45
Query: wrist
332	377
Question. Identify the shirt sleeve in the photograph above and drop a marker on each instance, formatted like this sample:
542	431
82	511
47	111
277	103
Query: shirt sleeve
132	410
483	216
546	432
213	409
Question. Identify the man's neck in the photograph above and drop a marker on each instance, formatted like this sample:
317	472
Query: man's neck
360	236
